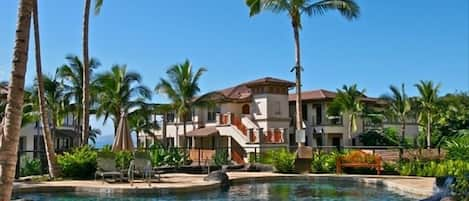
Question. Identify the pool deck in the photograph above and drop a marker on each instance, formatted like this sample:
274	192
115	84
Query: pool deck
416	187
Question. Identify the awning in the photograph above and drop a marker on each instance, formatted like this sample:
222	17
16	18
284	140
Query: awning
203	132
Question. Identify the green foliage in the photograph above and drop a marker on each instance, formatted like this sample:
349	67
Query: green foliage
284	161
387	137
173	157
434	168
157	155
80	163
123	159
324	162
30	167
221	158
458	148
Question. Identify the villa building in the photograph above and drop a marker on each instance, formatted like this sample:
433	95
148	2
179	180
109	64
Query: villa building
259	115
31	142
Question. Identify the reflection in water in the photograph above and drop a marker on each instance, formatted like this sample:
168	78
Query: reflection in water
317	189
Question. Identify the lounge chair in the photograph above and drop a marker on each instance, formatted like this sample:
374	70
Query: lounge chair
106	166
141	166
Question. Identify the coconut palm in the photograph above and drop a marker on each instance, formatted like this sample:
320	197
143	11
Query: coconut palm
44	113
295	9
12	123
164	109
348	103
140	121
399	107
427	102
119	91
72	73
94	133
182	87
87	68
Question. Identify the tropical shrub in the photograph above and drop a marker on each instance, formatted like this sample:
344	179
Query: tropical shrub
284	161
80	163
386	137
324	162
434	168
458	148
157	155
30	167
175	157
123	159
221	158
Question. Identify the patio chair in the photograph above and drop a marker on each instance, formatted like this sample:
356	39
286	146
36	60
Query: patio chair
141	166
106	166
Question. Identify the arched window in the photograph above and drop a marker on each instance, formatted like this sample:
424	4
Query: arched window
245	109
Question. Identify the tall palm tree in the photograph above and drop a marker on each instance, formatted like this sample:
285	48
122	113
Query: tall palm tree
164	109
140	122
348	103
399	108
56	100
86	67
427	103
13	112
119	91
72	73
48	142
182	87
295	9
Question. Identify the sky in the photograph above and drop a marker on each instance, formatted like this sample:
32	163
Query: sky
391	43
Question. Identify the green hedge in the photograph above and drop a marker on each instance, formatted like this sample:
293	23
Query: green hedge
80	163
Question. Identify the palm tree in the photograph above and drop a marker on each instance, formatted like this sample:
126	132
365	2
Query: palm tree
86	67
72	73
119	91
13	111
295	9
182	87
164	109
399	108
94	133
48	142
348	102
140	122
427	103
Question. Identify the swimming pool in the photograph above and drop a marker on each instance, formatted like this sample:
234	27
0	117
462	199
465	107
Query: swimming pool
326	190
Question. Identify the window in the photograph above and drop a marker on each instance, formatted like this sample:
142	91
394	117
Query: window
318	113
246	109
211	114
170	117
305	112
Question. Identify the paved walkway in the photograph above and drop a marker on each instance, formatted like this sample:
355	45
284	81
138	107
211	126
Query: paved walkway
417	187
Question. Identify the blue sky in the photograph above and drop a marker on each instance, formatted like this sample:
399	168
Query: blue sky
391	43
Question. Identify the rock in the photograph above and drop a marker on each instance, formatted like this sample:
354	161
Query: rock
447	199
219	176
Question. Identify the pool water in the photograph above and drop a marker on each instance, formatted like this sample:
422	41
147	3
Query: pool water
277	190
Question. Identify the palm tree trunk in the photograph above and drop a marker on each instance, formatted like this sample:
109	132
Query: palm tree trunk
13	111
86	75
49	145
184	130
165	140
138	141
299	116
428	131
401	151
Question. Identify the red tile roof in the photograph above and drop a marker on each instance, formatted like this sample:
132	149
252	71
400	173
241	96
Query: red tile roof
320	94
242	91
